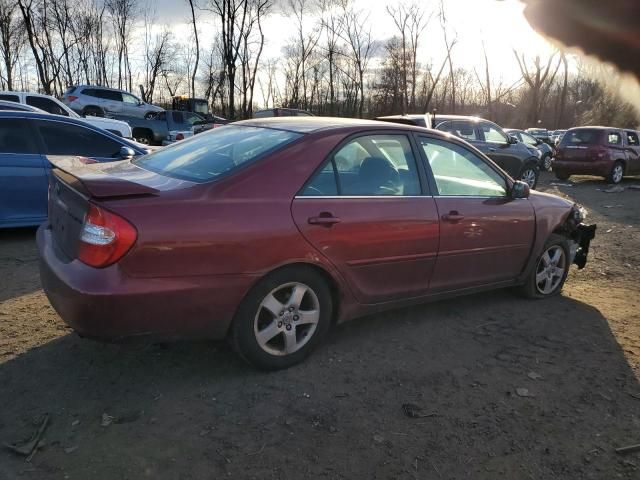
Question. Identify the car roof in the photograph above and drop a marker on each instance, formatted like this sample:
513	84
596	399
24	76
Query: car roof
313	124
102	87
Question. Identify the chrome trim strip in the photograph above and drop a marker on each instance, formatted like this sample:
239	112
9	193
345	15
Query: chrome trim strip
387	197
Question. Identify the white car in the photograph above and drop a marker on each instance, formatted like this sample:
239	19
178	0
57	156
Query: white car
53	105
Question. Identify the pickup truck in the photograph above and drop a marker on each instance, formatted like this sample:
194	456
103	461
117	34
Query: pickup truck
164	127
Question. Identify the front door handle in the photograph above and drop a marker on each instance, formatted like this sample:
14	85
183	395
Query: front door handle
452	216
325	219
491	149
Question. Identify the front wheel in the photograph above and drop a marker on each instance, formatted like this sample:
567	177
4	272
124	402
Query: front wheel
617	172
551	270
546	163
529	174
282	319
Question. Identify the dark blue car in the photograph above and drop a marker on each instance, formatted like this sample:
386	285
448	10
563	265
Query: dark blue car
26	140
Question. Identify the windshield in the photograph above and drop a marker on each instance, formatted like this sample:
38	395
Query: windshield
208	155
201	107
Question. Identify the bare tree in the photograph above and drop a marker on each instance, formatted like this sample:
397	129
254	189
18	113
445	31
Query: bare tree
197	52
123	14
11	39
539	77
360	44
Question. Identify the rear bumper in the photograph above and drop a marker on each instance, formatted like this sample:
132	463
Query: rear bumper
582	167
583	236
107	304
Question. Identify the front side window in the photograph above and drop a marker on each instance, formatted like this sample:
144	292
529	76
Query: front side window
371	165
465	130
109	95
67	139
130	99
47	105
15	137
493	134
459	172
219	151
528	139
632	139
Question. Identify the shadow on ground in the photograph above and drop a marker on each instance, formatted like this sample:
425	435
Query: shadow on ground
518	389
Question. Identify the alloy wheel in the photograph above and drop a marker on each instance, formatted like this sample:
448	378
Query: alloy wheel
617	173
287	319
550	270
529	177
547	162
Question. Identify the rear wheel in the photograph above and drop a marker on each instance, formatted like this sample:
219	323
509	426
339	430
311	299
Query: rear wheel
551	270
546	163
529	174
93	112
282	319
616	174
143	136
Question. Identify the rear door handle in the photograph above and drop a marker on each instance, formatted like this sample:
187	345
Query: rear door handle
491	149
452	217
325	219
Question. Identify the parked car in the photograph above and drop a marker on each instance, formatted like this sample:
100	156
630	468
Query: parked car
603	151
267	231
546	151
27	140
164	127
541	134
418	119
517	159
281	112
52	105
96	101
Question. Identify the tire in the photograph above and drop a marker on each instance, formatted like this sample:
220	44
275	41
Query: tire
149	115
616	174
543	283
546	162
144	137
530	174
562	176
268	309
93	112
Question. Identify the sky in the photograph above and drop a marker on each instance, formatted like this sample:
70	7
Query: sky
499	23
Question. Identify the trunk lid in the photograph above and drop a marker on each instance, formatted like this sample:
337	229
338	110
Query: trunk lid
75	182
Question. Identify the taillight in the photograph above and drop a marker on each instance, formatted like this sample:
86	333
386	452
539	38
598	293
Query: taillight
72	98
179	136
105	237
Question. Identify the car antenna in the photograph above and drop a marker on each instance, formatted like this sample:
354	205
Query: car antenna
433	117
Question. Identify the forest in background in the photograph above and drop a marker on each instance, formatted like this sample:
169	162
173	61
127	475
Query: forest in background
331	64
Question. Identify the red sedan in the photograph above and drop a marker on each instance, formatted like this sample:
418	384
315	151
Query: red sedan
268	231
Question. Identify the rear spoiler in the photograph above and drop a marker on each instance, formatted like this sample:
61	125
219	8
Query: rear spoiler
94	179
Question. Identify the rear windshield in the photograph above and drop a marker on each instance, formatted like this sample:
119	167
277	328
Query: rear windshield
583	136
208	155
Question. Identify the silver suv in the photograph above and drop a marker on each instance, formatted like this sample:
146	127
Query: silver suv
92	100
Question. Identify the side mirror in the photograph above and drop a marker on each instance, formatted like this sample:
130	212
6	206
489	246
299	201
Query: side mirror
126	153
520	190
512	140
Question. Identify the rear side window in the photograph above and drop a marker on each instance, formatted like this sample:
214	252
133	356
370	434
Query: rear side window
47	105
371	165
109	95
615	138
89	91
206	156
632	139
581	137
66	139
10	98
15	137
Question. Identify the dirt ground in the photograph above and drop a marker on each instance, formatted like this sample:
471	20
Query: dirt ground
195	411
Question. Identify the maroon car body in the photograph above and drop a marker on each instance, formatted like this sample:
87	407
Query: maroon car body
602	151
200	248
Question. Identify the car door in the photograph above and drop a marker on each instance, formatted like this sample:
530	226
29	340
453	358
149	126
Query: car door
130	105
62	138
366	211
23	176
485	236
633	152
111	101
494	143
